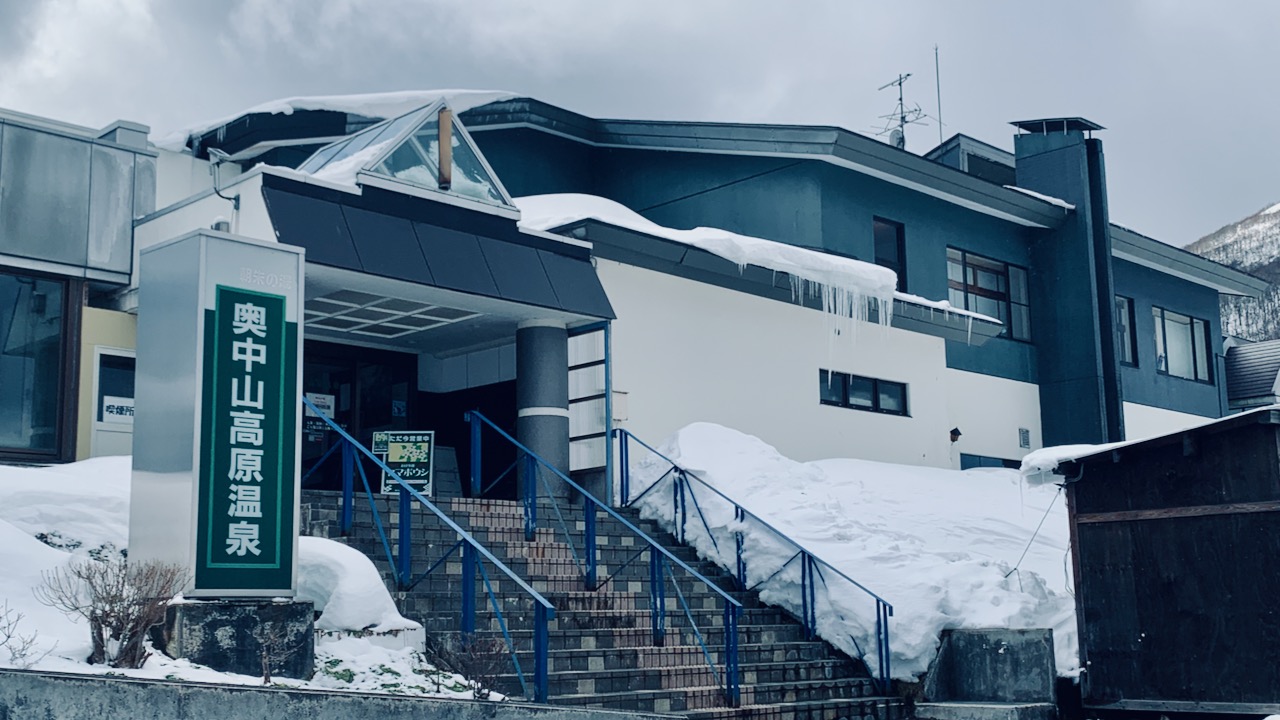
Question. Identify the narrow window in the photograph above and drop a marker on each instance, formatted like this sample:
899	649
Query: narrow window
891	251
1126	339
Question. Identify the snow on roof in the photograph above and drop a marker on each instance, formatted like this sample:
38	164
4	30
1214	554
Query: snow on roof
1047	198
839	280
371	105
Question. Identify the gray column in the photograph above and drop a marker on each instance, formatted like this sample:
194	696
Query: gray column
542	393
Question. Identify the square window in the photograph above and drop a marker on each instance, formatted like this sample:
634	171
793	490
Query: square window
892	397
862	392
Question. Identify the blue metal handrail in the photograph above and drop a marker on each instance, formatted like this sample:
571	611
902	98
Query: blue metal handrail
544	611
659	555
810	565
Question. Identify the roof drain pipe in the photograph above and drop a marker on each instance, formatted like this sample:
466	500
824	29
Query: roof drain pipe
445	123
216	158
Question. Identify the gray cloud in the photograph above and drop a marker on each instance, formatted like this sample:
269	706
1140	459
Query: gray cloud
1184	88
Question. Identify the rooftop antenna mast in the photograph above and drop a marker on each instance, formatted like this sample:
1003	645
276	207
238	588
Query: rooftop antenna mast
901	117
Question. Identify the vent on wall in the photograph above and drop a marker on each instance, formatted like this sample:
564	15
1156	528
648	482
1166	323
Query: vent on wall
1024	438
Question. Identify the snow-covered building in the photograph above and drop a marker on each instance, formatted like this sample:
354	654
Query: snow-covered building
826	292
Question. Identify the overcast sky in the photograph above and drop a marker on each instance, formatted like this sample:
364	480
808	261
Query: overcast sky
1187	90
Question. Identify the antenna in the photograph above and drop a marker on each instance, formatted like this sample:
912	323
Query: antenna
901	117
937	81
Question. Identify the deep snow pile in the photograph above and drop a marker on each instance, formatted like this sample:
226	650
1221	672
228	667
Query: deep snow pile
82	509
940	545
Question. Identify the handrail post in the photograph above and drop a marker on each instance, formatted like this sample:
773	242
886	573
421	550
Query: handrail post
624	466
348	489
404	555
476	427
540	647
806	596
731	680
589	529
468	592
741	564
657	597
530	496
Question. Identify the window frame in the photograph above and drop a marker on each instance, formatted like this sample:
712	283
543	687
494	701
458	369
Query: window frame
1127	342
67	402
1005	298
842	396
899	266
1160	336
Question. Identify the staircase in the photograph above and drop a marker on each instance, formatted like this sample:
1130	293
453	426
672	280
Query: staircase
602	652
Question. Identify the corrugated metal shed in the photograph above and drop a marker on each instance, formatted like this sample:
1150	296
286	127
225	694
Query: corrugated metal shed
1251	373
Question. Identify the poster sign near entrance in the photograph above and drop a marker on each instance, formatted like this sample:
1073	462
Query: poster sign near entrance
411	454
313	425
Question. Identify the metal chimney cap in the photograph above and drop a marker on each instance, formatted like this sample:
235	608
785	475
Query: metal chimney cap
1047	126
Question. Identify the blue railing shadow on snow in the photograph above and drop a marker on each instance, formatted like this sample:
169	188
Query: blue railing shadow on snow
813	570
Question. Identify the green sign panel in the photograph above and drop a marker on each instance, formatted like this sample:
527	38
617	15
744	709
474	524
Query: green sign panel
410	454
249	420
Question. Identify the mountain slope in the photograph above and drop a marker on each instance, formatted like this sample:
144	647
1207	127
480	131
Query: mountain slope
1251	245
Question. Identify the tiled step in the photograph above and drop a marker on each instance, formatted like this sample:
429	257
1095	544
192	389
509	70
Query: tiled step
871	708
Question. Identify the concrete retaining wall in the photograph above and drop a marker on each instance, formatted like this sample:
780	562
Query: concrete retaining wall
27	695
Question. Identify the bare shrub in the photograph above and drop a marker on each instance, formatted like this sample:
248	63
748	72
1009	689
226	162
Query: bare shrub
480	660
274	647
20	647
120	600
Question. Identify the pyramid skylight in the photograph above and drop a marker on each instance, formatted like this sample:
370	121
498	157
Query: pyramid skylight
407	149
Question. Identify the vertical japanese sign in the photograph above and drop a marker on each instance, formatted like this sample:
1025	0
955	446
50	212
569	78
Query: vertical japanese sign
411	454
245	534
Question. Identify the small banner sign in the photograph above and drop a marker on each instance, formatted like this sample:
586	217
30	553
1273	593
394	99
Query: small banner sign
411	454
250	415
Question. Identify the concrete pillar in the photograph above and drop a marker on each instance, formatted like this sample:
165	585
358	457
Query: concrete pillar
542	393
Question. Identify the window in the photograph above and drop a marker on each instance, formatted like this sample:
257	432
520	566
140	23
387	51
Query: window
31	363
891	251
990	287
968	462
862	393
1182	345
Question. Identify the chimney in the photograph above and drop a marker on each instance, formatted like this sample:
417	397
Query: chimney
445	122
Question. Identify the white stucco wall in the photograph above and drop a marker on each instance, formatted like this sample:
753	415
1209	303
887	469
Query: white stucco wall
989	411
179	175
251	221
1144	421
685	351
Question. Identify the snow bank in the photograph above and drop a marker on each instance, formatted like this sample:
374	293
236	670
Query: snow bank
843	283
942	546
82	506
371	105
346	588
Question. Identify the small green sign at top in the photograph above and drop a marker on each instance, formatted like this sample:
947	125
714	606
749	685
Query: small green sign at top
411	455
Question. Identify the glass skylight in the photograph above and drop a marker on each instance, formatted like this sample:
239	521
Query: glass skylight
407	149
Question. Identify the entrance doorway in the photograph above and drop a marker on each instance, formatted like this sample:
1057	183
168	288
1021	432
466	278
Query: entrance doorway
372	391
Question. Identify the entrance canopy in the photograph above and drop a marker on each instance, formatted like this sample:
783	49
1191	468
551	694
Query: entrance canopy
409	273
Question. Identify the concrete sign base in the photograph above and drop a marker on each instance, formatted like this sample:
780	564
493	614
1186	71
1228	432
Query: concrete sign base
239	636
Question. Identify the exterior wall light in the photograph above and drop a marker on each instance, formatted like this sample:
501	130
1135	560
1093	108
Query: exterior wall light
955	434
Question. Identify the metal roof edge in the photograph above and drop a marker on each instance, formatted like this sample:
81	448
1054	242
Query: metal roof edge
831	144
1135	247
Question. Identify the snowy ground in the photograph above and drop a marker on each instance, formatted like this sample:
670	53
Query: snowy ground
83	508
942	546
